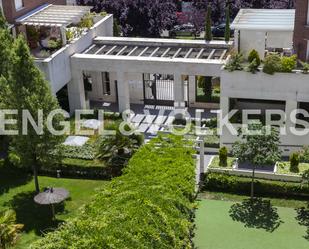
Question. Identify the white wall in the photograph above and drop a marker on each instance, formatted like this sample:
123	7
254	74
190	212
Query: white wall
252	39
289	87
136	90
279	39
57	67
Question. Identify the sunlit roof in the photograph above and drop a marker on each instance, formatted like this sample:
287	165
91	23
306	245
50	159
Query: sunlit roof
265	19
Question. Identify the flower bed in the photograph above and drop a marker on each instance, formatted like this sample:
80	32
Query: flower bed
215	163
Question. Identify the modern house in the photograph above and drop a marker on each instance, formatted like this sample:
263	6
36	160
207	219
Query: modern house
269	31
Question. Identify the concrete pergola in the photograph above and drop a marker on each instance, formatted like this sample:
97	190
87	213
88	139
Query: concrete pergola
54	16
126	56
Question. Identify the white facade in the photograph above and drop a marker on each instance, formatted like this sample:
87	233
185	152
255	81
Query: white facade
289	88
57	68
127	59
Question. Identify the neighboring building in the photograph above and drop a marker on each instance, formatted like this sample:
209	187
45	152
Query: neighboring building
267	31
301	32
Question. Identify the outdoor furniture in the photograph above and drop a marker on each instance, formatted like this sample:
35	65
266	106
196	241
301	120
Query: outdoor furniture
52	196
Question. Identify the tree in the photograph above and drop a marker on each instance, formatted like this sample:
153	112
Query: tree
139	17
118	149
8	229
258	146
116	28
205	82
208	31
6	42
227	32
26	89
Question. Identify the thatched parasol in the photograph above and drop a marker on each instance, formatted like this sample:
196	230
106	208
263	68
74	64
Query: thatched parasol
52	196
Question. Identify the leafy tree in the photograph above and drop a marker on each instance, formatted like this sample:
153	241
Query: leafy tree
258	146
139	17
227	32
205	82
3	23
26	89
116	28
208	32
6	42
9	231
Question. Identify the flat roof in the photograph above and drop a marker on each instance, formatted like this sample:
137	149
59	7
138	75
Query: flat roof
159	48
265	19
54	15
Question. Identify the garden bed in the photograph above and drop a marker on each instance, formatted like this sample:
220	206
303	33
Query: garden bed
215	163
284	168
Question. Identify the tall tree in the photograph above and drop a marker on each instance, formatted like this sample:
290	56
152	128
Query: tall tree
227	32
208	31
260	148
139	17
26	89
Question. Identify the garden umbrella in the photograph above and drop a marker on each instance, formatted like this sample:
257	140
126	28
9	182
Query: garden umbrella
52	196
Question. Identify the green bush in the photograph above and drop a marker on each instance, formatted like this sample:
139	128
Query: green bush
304	154
149	206
305	68
253	67
242	185
288	64
223	157
235	62
294	162
254	55
272	64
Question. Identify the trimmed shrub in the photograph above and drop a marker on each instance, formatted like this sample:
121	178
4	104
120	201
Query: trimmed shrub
254	55
223	157
242	185
149	206
272	64
288	64
253	67
235	62
294	163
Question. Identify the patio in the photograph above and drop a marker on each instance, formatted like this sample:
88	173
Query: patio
50	27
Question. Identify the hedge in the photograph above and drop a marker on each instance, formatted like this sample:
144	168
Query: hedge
86	169
242	185
149	206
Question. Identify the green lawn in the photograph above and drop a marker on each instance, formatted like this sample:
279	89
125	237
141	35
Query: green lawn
215	228
215	163
284	168
16	192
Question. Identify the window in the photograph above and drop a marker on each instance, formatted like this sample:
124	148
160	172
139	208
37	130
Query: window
106	83
19	4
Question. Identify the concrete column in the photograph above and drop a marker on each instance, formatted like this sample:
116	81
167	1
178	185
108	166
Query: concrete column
76	91
123	91
192	90
224	105
178	90
236	40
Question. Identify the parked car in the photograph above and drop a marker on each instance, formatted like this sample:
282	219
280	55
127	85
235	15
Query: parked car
218	31
183	30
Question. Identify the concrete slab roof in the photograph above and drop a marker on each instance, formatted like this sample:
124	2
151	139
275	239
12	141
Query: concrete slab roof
265	19
144	48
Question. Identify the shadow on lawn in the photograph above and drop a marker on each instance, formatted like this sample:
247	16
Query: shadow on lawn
256	213
11	178
33	216
303	219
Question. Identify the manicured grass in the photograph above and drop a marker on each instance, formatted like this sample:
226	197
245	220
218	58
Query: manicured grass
215	228
284	168
17	192
215	162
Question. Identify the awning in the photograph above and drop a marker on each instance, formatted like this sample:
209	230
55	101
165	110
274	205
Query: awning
54	15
